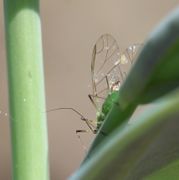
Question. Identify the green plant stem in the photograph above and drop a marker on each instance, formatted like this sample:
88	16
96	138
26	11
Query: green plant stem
26	90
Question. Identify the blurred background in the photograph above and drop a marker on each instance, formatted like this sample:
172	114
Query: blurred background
70	29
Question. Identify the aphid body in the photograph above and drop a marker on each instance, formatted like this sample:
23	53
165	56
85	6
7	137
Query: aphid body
109	67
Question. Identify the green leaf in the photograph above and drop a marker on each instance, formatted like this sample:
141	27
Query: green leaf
140	149
168	172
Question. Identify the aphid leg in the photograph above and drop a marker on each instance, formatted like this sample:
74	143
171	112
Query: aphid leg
91	125
87	121
107	82
92	101
84	131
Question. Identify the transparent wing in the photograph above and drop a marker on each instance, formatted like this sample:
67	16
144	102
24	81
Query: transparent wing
103	70
108	67
128	57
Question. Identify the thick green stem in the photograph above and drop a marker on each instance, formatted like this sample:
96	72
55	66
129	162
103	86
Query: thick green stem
26	90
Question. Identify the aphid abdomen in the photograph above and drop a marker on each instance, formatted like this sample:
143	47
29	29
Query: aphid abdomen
107	105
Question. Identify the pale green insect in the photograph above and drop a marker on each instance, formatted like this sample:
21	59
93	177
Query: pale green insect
109	67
